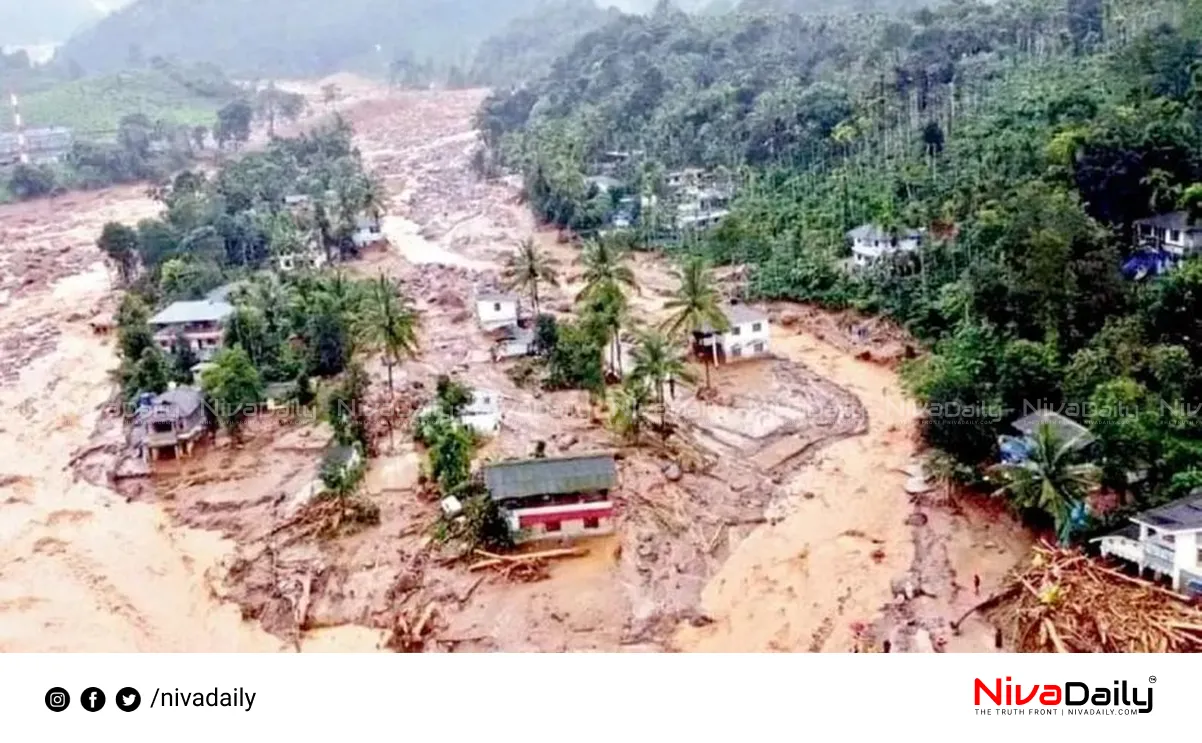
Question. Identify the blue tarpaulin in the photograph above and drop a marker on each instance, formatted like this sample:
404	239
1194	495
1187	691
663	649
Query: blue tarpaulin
1149	262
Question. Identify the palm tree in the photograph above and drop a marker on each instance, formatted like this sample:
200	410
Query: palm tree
375	197
605	265
526	268
657	359
1050	479
696	308
628	408
391	323
606	311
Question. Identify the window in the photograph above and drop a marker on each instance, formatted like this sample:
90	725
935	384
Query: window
596	524
552	526
757	347
1200	555
757	327
736	330
496	307
736	351
1175	236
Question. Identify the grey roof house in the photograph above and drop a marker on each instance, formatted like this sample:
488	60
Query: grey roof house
525	478
1166	540
173	420
201	323
554	497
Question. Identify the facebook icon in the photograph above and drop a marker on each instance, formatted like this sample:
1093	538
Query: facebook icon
92	699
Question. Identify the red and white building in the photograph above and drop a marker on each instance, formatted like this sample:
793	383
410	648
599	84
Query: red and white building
554	497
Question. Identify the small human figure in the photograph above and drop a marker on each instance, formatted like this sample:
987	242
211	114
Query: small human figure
976	584
886	646
997	638
672	387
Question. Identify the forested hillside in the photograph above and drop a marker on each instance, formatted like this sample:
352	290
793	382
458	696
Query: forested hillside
525	48
1024	137
269	38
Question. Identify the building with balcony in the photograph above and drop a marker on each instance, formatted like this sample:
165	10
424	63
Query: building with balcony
171	422
747	336
200	323
1166	540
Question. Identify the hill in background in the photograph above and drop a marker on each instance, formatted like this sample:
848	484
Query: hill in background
269	38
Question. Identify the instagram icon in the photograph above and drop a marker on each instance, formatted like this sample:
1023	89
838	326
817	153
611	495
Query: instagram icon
57	699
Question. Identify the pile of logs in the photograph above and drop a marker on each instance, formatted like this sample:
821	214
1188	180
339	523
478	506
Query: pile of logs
527	568
1066	601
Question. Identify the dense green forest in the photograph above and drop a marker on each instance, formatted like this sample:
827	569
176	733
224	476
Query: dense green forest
1025	136
293	37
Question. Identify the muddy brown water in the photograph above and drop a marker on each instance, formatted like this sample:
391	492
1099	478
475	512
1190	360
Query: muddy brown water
83	569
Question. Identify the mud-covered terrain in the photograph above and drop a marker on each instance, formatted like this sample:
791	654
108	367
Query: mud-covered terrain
778	520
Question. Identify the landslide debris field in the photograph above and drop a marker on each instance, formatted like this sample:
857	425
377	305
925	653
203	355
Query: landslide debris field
776	521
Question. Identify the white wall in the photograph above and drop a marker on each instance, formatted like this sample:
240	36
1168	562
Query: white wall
745	339
497	314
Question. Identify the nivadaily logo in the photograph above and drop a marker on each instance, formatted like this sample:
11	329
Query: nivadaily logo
1072	697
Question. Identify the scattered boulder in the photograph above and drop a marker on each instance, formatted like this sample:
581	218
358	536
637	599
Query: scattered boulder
916	519
672	472
789	318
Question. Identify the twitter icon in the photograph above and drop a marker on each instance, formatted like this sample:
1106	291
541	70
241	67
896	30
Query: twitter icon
128	699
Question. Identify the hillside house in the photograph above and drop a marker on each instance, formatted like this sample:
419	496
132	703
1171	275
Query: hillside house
312	258
368	231
201	323
513	342
1174	233
678	179
871	243
1166	540
483	412
603	183
496	310
172	420
554	497
747	337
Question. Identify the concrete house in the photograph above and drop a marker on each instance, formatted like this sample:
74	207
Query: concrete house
201	323
513	342
1166	540
368	231
1174	233
749	335
871	243
311	258
172	420
483	413
554	497
496	309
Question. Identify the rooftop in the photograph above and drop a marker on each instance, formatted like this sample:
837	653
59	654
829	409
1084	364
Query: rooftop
875	233
1065	429
495	296
181	402
739	314
1183	514
523	478
204	310
604	182
1171	221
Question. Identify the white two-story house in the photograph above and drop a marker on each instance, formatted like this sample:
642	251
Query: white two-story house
748	335
1166	540
495	310
1174	233
870	243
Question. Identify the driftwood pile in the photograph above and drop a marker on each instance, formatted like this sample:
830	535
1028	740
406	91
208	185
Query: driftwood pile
1066	601
527	568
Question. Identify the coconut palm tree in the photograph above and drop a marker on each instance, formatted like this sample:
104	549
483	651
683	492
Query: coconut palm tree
657	359
526	268
390	323
697	306
605	265
628	408
606	312
1050	480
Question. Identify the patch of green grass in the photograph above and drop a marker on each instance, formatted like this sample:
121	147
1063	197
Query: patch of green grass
94	106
